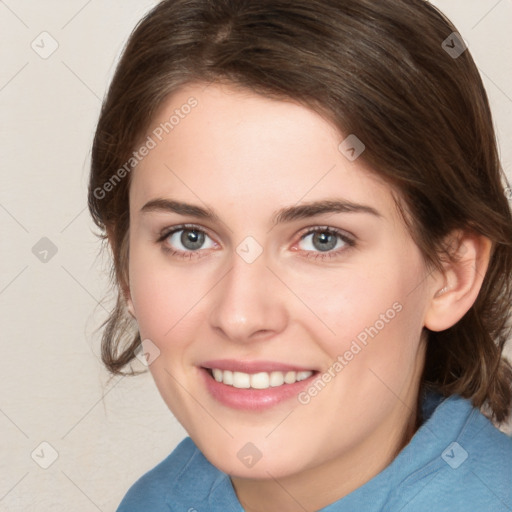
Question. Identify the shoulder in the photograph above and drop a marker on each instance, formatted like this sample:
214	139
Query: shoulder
470	466
489	453
152	490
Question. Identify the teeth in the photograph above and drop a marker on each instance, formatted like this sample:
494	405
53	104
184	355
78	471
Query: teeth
262	380
276	379
304	375
290	377
227	377
241	380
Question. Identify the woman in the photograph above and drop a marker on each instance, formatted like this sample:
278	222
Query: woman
312	246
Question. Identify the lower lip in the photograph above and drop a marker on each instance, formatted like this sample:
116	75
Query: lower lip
253	399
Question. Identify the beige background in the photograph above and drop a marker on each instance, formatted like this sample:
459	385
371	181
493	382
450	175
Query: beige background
53	389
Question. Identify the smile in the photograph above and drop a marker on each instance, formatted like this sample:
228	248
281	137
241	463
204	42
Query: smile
261	380
254	385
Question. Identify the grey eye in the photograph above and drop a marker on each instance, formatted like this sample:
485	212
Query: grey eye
323	240
188	239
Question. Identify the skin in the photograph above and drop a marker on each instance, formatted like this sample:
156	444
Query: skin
245	156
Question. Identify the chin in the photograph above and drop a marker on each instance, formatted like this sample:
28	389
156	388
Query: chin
245	460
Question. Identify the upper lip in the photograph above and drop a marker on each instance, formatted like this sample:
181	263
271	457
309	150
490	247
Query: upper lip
253	366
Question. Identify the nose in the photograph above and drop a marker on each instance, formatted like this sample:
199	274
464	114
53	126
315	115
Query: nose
249	303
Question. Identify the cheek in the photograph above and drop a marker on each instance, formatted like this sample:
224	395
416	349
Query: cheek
369	314
344	302
162	295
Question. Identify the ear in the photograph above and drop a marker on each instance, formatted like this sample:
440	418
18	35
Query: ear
456	290
125	288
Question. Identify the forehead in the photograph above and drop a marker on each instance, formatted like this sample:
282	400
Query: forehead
220	143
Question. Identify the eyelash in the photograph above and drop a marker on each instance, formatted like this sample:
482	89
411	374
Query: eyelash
350	242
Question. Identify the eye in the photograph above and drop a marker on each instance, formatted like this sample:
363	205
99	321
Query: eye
325	240
185	241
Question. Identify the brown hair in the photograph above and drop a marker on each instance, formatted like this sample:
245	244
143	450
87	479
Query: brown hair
379	70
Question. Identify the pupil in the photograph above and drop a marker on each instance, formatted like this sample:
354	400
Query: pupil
192	239
323	238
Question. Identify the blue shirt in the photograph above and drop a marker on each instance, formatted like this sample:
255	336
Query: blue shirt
457	461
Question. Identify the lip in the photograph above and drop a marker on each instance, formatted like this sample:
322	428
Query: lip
249	399
253	366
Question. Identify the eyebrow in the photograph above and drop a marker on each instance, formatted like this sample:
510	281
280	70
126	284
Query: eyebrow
287	214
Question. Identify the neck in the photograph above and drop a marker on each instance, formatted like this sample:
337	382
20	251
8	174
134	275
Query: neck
317	487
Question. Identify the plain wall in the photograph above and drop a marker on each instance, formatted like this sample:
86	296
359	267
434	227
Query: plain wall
105	433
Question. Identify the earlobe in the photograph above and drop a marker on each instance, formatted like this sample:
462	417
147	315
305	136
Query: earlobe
461	280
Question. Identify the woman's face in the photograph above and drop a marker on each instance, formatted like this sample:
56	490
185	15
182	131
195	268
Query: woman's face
259	289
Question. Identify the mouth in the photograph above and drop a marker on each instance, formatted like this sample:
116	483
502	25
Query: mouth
254	385
260	380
